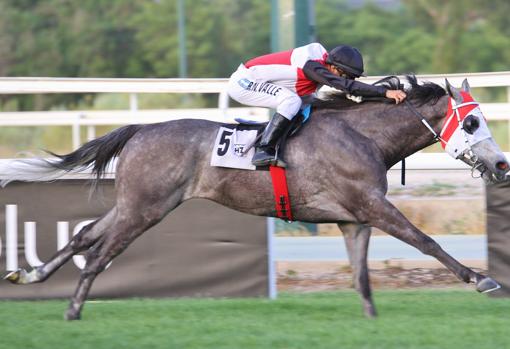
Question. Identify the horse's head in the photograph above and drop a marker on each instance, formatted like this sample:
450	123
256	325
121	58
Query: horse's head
465	136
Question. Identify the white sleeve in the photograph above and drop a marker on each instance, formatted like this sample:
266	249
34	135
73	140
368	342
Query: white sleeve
303	54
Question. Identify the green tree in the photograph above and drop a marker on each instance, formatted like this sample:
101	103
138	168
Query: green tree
66	38
388	38
220	35
470	35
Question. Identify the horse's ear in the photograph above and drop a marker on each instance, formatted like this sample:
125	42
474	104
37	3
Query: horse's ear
465	86
453	92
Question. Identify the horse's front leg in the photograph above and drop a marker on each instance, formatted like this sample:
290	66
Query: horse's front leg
380	213
357	237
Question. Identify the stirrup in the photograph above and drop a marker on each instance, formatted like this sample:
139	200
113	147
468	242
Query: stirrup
280	163
269	161
272	162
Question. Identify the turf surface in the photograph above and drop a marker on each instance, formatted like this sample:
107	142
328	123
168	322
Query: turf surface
408	319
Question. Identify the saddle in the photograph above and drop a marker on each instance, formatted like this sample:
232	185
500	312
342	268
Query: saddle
294	127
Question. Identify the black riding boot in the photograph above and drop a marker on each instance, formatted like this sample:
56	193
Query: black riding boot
265	152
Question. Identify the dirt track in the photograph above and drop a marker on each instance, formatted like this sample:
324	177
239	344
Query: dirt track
330	276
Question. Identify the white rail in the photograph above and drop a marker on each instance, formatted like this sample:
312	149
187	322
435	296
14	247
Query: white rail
24	85
40	85
33	85
122	117
91	119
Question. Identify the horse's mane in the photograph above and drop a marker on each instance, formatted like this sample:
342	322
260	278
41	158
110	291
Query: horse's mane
420	94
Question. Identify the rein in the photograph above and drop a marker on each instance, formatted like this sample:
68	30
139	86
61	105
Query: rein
411	107
424	121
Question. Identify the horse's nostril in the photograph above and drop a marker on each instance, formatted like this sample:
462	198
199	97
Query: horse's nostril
502	165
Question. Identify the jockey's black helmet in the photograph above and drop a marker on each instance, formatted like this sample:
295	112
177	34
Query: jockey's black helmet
348	59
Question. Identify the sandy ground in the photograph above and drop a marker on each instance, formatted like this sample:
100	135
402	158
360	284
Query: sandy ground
330	276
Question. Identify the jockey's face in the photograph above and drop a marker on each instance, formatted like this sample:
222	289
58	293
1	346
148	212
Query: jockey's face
339	72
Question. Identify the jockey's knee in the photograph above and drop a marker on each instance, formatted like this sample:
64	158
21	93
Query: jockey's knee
289	106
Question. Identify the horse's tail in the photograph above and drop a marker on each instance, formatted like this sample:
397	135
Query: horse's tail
95	154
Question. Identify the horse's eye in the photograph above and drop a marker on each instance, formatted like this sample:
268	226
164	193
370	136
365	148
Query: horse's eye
471	124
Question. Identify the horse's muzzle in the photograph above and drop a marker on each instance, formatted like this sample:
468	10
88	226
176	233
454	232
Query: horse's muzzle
500	171
502	165
489	161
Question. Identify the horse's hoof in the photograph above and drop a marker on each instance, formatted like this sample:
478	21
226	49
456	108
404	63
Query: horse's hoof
71	315
487	285
370	312
15	276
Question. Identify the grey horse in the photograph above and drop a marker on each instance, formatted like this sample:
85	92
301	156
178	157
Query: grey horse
337	167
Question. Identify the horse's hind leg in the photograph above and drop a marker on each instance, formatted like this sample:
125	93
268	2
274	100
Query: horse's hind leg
111	245
87	236
128	225
357	237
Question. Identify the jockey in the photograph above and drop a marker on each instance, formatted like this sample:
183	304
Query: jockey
282	80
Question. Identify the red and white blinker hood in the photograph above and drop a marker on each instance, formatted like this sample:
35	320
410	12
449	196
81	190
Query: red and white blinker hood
454	139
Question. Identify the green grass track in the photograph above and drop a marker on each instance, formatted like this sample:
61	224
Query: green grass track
408	319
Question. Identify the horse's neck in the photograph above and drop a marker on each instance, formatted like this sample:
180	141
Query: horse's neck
397	132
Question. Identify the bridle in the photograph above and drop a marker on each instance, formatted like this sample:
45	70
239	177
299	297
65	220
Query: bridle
470	157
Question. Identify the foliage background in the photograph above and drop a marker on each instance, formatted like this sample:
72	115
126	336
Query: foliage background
139	38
